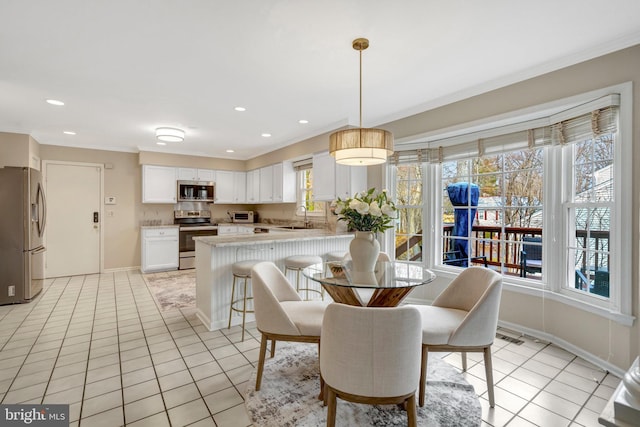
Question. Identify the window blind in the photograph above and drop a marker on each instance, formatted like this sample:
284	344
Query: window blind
572	125
303	164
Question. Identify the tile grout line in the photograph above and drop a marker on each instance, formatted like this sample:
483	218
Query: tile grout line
153	366
86	373
39	333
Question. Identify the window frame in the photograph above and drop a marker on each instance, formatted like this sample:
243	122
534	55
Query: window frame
618	306
300	190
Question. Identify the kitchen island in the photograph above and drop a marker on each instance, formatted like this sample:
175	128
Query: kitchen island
216	254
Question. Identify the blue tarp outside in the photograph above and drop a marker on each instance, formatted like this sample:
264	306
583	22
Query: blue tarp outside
463	217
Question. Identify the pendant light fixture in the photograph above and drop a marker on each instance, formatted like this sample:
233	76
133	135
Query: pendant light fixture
361	146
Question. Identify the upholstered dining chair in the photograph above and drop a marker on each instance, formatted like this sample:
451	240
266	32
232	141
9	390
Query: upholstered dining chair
464	318
280	313
374	360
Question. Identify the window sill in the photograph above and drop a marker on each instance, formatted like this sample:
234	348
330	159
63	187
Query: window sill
616	316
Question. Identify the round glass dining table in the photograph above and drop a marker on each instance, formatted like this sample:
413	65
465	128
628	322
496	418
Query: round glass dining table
387	285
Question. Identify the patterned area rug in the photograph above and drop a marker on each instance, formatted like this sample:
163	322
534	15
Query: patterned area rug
290	387
173	289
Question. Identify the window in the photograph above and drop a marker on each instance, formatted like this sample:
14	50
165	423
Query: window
492	211
408	229
305	194
589	205
544	201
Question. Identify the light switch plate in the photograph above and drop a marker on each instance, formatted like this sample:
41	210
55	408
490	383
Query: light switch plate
110	200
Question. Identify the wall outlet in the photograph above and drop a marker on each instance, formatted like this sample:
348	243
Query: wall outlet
12	291
110	200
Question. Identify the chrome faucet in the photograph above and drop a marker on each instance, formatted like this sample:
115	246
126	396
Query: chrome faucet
306	223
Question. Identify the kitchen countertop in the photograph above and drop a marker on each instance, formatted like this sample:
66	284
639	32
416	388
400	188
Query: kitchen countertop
143	227
274	235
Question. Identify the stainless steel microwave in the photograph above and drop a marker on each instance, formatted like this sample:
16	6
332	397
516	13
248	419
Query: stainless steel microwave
195	191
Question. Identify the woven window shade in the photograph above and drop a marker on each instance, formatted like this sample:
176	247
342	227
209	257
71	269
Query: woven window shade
594	118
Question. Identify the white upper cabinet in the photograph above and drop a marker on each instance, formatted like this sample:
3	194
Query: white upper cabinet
224	187
231	187
239	187
350	180
266	184
324	180
331	180
158	184
278	183
193	174
253	186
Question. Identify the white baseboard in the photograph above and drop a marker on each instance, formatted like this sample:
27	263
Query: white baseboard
591	358
116	270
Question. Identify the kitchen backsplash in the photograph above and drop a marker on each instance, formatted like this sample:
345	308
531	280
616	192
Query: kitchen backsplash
278	213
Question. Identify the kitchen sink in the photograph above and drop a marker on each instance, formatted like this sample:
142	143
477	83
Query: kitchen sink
292	227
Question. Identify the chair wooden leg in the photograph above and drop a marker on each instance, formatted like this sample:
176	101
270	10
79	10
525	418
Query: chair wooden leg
423	373
263	351
412	413
488	367
331	409
273	348
464	361
322	395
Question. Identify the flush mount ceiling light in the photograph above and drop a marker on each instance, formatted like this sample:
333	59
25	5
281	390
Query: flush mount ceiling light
361	146
55	102
170	134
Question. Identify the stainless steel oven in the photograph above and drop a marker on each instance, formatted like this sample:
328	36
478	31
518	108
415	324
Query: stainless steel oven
187	246
192	224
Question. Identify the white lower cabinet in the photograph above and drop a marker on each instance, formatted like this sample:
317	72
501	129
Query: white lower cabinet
234	229
159	249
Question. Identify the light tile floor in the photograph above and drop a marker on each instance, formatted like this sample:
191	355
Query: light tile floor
100	344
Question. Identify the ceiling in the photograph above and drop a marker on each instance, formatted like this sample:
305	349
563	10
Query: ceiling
124	68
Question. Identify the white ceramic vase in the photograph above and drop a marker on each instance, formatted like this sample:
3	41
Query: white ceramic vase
364	250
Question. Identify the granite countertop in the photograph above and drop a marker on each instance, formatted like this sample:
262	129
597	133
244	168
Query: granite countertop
275	235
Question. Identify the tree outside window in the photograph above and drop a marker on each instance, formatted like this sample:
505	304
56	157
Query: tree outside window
509	208
408	229
305	194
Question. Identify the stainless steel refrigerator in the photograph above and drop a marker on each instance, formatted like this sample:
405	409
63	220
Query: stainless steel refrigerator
22	220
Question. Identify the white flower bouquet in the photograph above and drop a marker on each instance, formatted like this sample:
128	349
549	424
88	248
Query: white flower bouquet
370	211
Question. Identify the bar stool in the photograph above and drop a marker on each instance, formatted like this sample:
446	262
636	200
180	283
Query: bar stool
241	270
335	256
298	263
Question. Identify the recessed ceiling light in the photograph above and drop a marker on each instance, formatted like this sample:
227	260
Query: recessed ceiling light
161	143
69	132
170	134
231	151
303	121
240	109
55	102
266	135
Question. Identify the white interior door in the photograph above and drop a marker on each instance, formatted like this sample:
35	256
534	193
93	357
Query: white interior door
74	193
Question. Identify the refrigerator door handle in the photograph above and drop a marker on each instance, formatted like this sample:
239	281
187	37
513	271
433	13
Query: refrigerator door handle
42	205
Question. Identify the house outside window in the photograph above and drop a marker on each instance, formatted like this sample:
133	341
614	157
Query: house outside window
492	227
538	204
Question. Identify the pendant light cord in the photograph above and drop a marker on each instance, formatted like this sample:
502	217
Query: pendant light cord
360	88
